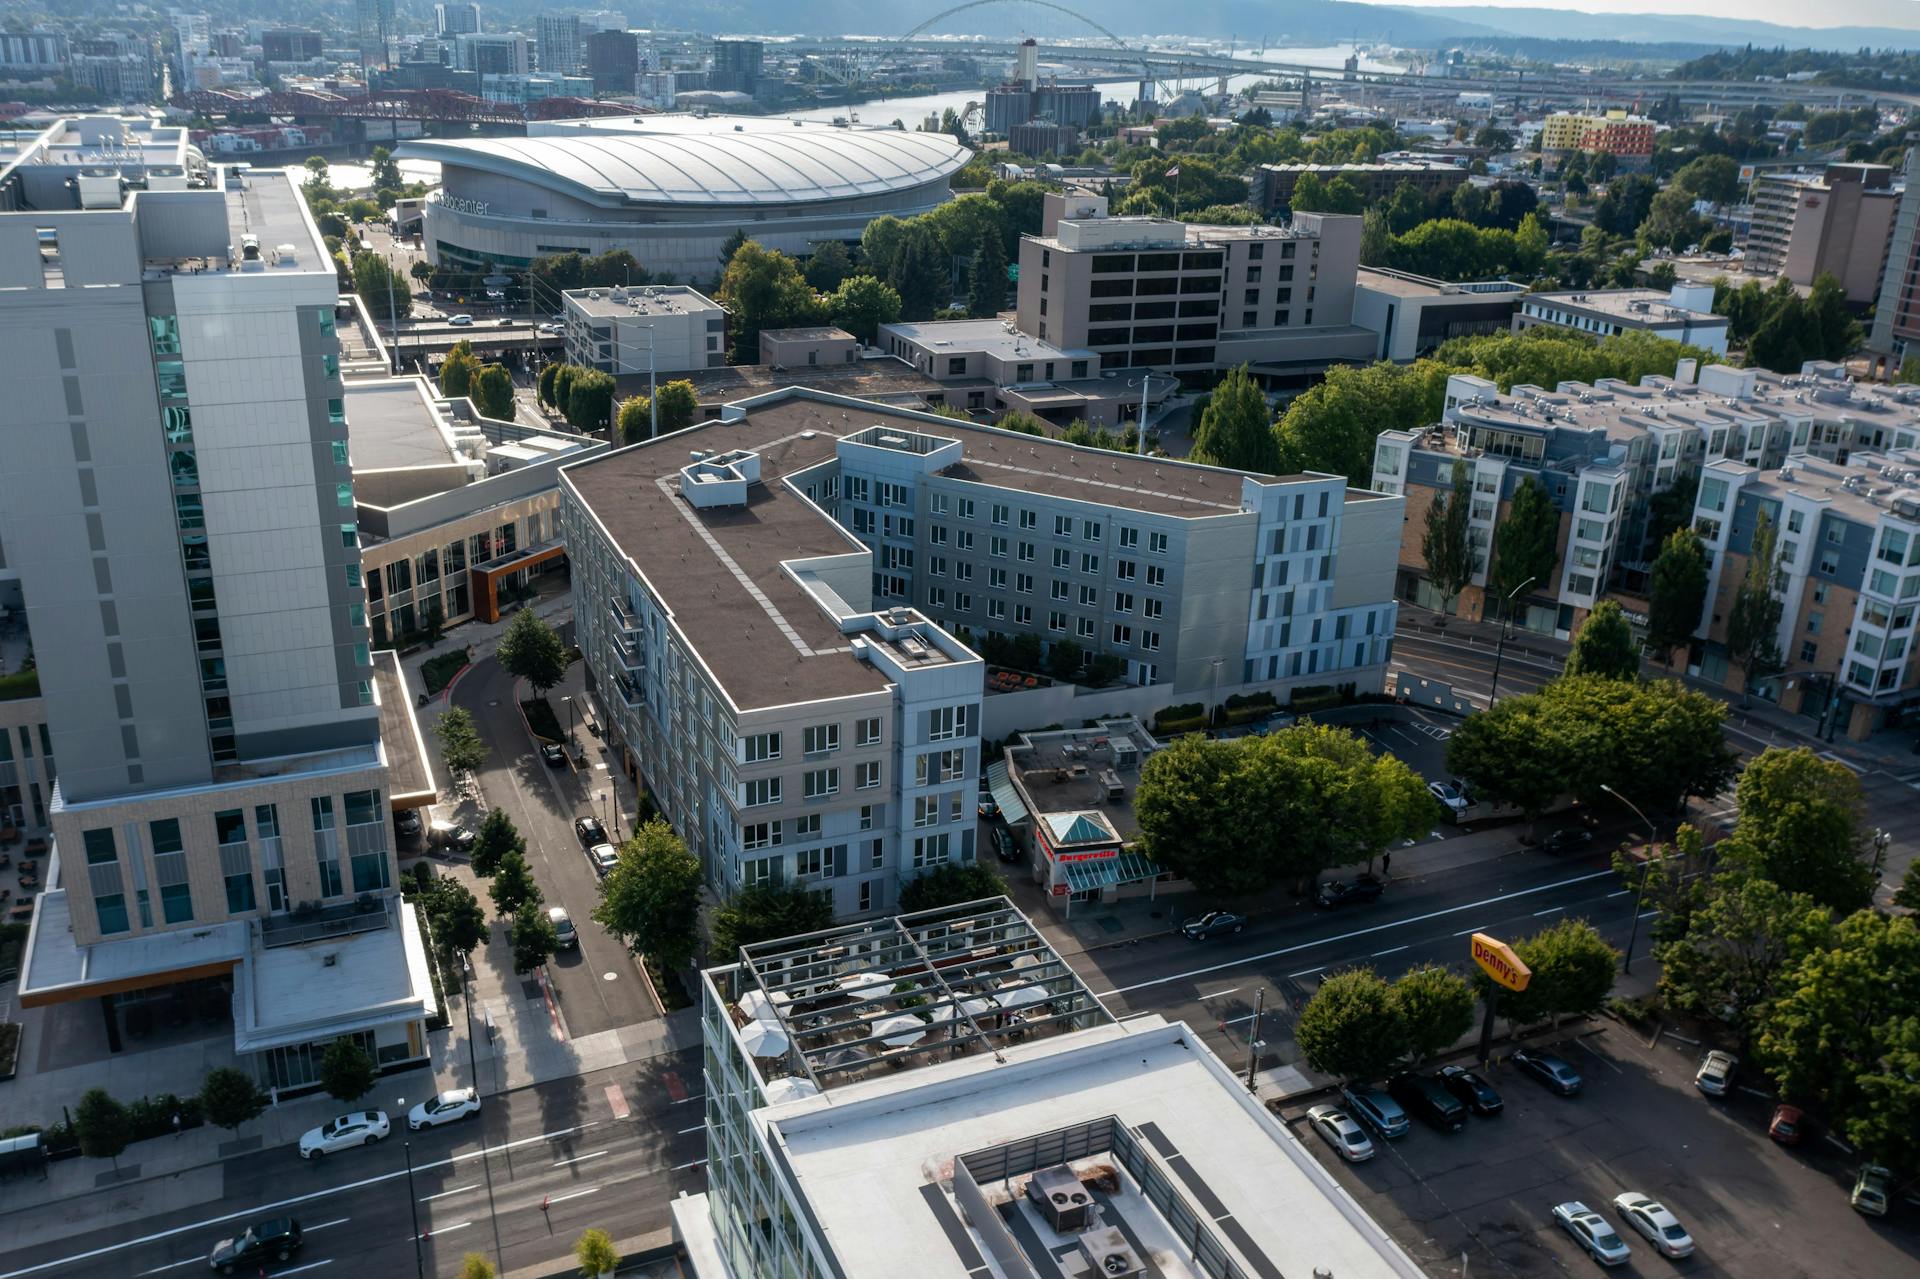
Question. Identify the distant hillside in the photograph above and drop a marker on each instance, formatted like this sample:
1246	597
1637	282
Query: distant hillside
1683	28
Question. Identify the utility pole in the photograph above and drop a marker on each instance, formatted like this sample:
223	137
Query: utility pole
473	1065
1646	869
1500	648
1253	1037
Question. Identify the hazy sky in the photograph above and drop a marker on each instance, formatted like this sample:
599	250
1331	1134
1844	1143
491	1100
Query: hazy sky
1792	13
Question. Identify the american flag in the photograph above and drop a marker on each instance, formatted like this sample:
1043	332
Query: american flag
1174	172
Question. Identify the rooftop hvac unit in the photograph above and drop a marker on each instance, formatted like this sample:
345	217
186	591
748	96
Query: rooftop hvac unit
1125	755
1059	1197
1109	1255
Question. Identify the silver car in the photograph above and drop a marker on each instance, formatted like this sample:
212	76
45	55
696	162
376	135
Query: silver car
361	1128
1652	1219
1341	1132
1715	1076
1591	1231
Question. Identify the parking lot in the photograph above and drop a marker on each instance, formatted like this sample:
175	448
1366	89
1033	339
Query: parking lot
1753	1208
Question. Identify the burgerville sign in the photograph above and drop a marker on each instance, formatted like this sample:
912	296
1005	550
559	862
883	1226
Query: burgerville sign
1497	960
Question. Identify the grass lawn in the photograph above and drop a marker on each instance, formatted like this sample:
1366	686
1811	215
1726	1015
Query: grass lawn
541	719
439	671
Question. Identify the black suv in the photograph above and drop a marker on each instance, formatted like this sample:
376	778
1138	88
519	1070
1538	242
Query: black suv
1479	1095
1362	888
278	1239
1423	1095
589	831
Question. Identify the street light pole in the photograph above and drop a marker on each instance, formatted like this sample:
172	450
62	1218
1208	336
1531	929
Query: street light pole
1646	868
413	1201
473	1066
1500	647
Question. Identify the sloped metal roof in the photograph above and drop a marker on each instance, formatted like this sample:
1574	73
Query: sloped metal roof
714	161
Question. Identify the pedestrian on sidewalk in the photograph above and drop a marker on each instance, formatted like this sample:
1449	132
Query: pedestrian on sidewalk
1386	864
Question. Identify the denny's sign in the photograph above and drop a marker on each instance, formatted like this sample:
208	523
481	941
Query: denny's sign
1497	960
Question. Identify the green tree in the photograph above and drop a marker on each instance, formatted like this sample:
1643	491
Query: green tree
1677	592
679	404
651	898
461	748
1605	645
763	288
101	1125
1909	373
763	912
1332	426
1526	544
1066	658
229	1098
1353	1027
492	393
829	265
730	249
1376	238
458	923
347	1072
1671	508
1658	742
531	650
534	939
1530	245
596	1254
1671	222
1236	427
421	271
1908	894
987	278
548	375
949	884
1436	1008
383	289
1516	752
384	171
635	422
919	273
1445	544
1753	623
589	399
862	304
1710	177
458	369
1572	969
1799	826
1837	334
878	243
513	890
496	838
476	1266
1737	949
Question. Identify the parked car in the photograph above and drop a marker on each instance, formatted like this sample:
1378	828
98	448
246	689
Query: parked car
987	809
589	831
1339	1130
406	823
460	321
1652	1219
565	936
1479	1095
1565	840
455	1103
1004	846
1549	1070
1591	1231
504	321
1377	1111
1425	1096
449	835
1788	1126
1361	888
1715	1075
278	1239
361	1128
1452	798
1212	924
554	754
604	858
1871	1191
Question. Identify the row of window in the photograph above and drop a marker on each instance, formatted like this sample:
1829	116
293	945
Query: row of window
816	739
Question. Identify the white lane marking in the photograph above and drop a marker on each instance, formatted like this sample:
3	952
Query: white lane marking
575	1159
1648	914
684	1100
457	1190
1551	910
311	1265
696	1128
1328	941
1222	994
309	1197
1477	928
1620	892
337	1221
572	1194
676	1168
1308	972
444	1230
190	1261
1391	950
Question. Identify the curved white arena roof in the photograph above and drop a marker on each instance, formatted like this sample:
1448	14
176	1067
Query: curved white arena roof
707	160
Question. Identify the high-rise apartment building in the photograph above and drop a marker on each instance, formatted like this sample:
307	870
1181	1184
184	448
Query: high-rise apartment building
492	53
788	602
1160	294
613	60
1615	132
194	37
558	44
451	20
1837	222
1896	316
33	53
736	65
177	516
374	27
290	44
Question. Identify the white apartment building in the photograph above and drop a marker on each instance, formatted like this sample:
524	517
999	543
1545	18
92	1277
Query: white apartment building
659	328
783	603
177	517
1683	313
1021	1129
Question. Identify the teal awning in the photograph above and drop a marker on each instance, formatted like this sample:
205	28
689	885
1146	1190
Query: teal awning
1006	794
1127	868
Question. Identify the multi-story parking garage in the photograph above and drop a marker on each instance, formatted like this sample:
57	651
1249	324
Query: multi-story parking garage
670	189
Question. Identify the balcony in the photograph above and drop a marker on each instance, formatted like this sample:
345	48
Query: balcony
628	690
312	922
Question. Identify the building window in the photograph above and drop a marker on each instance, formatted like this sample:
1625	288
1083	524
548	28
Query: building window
367	840
821	782
930	850
820	739
762	790
326	847
867	731
866	776
760	835
867	814
762	747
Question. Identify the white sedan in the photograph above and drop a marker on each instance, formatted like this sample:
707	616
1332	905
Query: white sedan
361	1128
1652	1219
455	1103
1591	1231
1342	1133
1454	801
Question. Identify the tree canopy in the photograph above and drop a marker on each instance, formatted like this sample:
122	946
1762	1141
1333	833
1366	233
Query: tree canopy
1352	1028
531	650
764	912
1332	425
1799	826
347	1072
764	289
862	304
1605	645
651	899
1738	947
1236	427
1572	969
1445	543
1526	542
1677	592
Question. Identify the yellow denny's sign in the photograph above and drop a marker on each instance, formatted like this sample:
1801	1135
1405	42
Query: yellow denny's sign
1497	960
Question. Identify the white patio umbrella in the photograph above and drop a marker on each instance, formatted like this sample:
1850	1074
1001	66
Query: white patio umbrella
764	1039
978	1007
1022	997
900	1032
759	1007
790	1088
865	985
